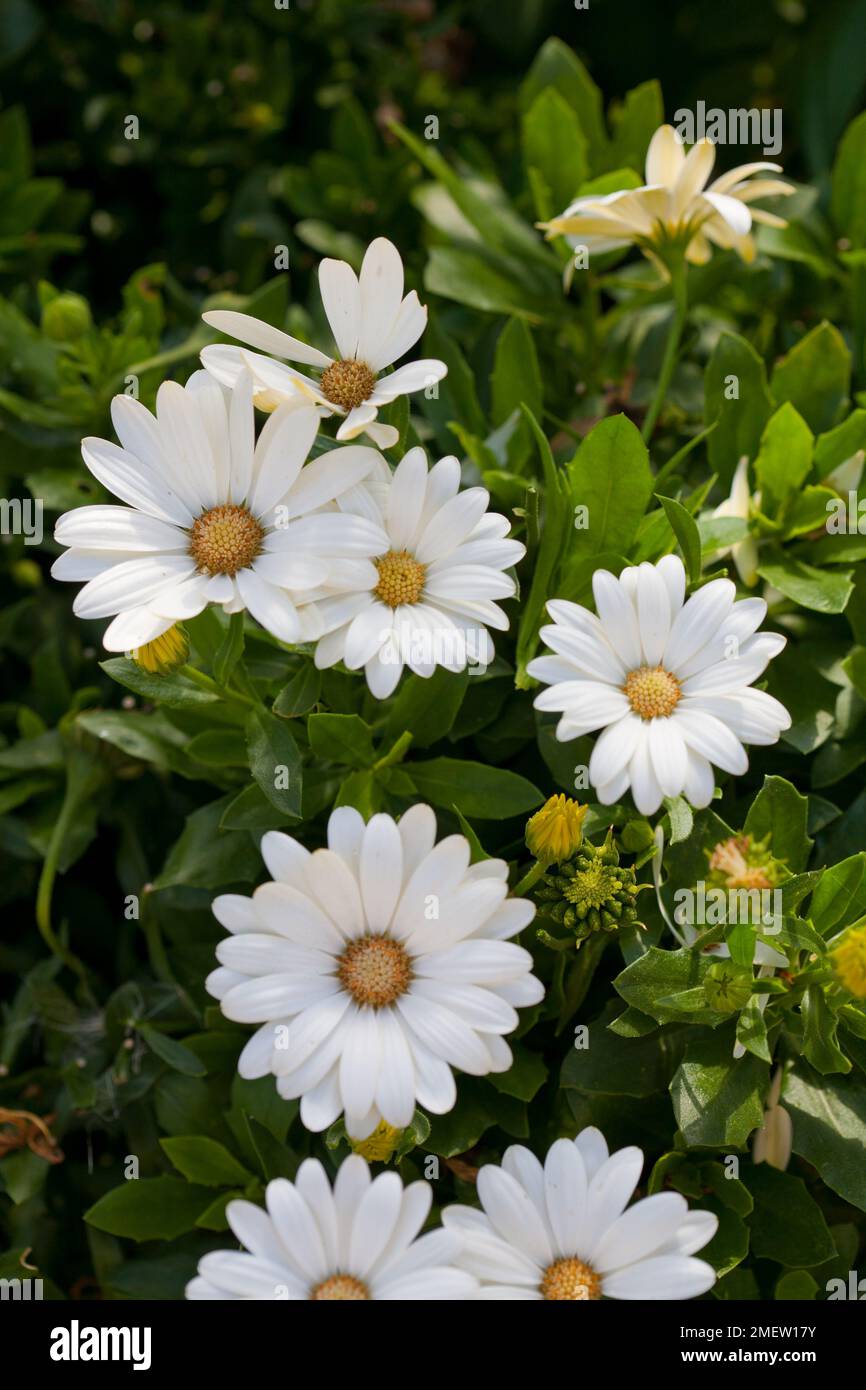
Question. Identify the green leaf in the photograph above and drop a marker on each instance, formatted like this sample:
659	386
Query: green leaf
175	692
230	650
174	1053
781	812
840	897
487	209
797	1286
634	124
275	1160
610	476
829	1119
839	444
485	793
752	1029
207	857
554	538
427	706
557	66
150	1208
363	790
611	1064
820	1045
205	1161
685	528
524	1078
300	694
787	1224
784	459
479	1107
275	762
660	974
815	377
516	381
457	397
341	738
474	278
718	1099
555	145
823	591
738	401
848	194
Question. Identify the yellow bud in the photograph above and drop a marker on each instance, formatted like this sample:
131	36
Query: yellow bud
554	833
849	960
164	654
378	1146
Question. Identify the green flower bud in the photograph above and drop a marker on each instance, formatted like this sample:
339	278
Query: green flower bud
728	987
66	317
590	892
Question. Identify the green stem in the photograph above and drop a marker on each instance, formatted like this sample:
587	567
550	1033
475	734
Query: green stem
199	678
45	889
396	753
529	878
681	307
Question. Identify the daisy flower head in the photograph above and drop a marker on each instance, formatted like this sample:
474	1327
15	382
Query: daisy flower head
372	324
211	514
432	589
675	205
563	1230
353	1242
373	967
667	680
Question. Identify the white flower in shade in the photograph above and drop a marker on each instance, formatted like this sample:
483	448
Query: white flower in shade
773	1142
373	325
738	505
431	592
354	1243
212	515
675	205
667	680
373	967
564	1232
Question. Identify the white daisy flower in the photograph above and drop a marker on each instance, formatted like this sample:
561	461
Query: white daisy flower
562	1231
212	516
373	325
667	681
675	204
432	590
373	967
354	1243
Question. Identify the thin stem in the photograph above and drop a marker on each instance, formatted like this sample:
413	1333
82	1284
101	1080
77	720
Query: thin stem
45	889
396	753
529	878
681	307
199	678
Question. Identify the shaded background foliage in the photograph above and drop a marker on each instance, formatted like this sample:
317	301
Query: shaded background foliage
260	128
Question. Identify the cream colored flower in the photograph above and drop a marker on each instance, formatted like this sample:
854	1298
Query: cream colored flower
744	553
675	205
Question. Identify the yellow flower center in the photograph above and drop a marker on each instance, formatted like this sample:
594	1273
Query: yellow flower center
652	692
340	1288
347	383
554	833
225	539
164	654
570	1279
378	1146
401	578
849	959
375	970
